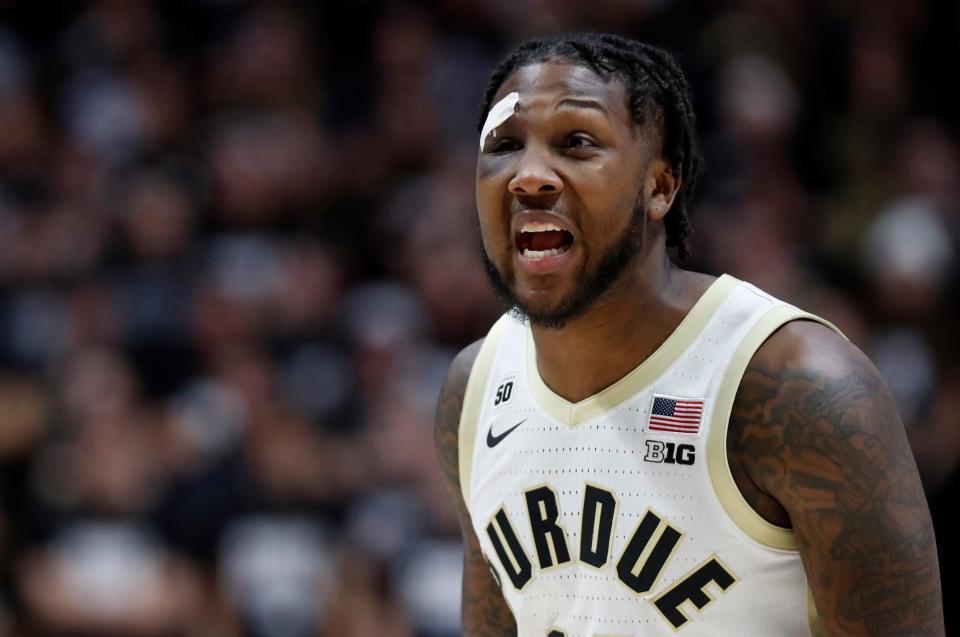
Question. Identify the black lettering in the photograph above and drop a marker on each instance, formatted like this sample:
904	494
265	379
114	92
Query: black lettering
523	571
686	454
543	511
503	393
670	457
597	503
692	588
669	452
650	570
654	451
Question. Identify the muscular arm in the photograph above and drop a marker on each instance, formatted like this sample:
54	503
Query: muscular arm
815	431
484	611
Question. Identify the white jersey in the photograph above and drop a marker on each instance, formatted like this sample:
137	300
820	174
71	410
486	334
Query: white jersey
618	515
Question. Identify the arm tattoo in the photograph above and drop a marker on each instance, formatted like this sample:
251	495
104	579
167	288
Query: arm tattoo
829	446
484	611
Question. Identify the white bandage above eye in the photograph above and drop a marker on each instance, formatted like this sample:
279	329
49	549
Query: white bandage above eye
501	112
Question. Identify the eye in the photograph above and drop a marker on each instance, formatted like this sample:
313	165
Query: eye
502	145
580	141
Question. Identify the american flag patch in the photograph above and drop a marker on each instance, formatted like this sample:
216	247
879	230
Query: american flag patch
675	415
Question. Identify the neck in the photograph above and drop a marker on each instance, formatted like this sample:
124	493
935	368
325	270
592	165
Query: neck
620	331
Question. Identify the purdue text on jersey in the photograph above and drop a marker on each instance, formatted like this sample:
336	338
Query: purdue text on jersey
651	546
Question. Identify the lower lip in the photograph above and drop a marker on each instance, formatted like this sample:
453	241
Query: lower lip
543	265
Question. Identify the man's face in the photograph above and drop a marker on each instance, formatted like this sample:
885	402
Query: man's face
561	191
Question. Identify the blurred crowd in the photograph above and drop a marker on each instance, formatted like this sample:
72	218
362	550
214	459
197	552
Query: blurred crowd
239	249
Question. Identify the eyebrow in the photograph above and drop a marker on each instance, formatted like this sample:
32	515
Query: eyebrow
583	103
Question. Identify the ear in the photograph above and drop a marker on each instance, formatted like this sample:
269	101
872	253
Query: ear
660	188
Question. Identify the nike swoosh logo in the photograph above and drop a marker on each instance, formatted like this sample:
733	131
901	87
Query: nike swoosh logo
493	441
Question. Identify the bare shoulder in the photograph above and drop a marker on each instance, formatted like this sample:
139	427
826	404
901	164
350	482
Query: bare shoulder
815	348
447	424
809	384
815	430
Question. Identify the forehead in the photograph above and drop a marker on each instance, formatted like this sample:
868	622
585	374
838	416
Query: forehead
547	84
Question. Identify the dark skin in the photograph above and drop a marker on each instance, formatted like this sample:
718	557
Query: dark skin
815	442
483	609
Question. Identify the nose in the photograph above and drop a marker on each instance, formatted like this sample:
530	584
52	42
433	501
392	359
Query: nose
534	175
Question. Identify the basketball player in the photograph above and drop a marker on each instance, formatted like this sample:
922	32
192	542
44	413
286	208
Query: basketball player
637	449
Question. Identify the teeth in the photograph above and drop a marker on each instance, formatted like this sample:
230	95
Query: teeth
539	226
540	254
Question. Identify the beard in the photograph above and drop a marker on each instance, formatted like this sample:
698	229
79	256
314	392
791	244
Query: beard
593	283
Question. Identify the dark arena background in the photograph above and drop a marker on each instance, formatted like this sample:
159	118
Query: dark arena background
238	249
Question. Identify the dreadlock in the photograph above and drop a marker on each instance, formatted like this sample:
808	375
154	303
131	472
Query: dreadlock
656	88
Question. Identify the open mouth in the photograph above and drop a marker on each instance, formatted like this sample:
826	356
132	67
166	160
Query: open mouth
539	240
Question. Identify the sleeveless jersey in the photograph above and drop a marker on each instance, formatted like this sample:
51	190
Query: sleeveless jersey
618	515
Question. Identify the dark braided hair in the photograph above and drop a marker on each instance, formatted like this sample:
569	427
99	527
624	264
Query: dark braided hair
656	88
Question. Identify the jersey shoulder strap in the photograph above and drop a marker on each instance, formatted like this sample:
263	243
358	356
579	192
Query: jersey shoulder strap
736	506
472	403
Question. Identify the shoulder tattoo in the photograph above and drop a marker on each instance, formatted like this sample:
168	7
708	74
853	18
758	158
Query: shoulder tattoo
447	426
484	611
825	440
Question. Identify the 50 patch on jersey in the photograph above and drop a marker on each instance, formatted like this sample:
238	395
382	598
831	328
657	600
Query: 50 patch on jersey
503	391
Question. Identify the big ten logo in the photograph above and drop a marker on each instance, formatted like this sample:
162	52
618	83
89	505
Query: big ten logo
670	452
